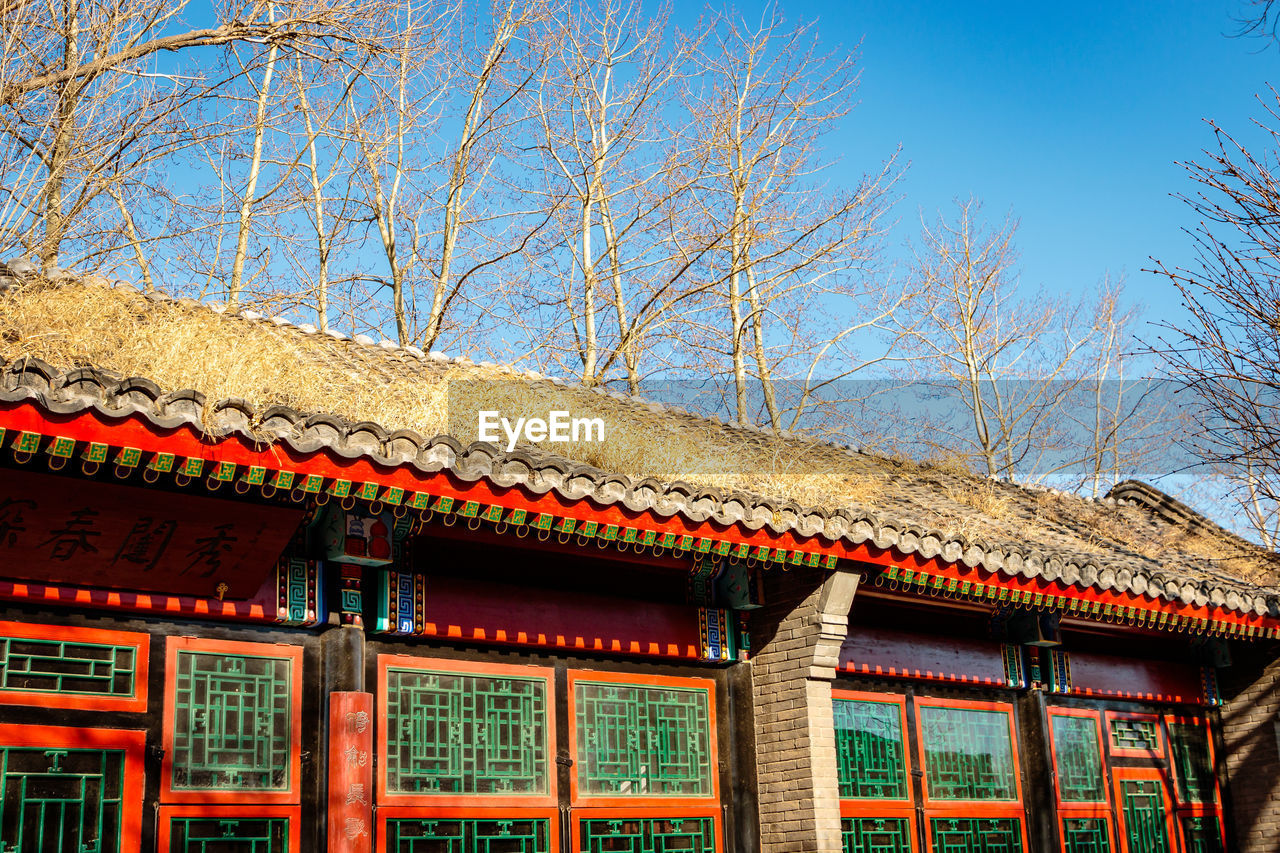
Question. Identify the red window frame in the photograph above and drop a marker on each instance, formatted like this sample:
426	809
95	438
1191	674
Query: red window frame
1189	809
133	743
650	801
976	809
289	796
646	813
885	808
135	703
648	807
1121	752
1156	774
473	803
292	813
386	813
1069	810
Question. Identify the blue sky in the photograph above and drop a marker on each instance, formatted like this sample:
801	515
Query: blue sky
1072	116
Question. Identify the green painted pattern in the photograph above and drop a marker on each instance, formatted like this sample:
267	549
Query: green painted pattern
968	754
232	722
642	741
1142	801
457	733
1201	834
1135	734
1078	756
976	835
60	799
1086	835
876	834
49	666
648	835
1190	745
449	835
869	750
238	835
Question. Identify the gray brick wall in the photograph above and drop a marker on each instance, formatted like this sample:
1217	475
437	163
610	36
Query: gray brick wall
1250	754
796	641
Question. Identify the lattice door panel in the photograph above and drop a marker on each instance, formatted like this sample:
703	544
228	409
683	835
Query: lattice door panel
870	750
639	740
1145	813
975	835
1086	835
647	835
461	733
232	722
875	835
465	835
1193	763
1077	756
61	799
228	835
968	753
1201	834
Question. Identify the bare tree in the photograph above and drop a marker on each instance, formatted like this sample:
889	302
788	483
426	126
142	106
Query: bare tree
1226	354
778	247
1010	363
89	90
603	104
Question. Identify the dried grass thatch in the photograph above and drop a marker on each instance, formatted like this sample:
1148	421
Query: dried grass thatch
184	345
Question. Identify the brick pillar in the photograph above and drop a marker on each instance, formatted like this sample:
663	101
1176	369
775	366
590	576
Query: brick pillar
1250	729
796	641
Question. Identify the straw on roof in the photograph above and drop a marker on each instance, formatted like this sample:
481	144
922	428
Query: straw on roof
785	480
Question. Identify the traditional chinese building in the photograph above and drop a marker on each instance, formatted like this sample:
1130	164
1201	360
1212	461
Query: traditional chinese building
246	608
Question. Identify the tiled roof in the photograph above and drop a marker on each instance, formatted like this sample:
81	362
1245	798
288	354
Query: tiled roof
1136	540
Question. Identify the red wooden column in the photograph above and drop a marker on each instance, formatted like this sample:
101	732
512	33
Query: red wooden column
350	809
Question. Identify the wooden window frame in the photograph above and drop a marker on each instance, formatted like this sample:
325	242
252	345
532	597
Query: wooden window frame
1073	810
1159	753
1188	809
648	812
1156	774
294	654
139	642
132	742
476	812
232	812
468	803
665	803
974	809
885	808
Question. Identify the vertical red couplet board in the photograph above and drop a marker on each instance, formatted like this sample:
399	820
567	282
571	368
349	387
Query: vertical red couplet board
350	772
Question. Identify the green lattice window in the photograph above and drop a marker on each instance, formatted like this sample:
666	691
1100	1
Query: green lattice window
228	835
1077	754
1202	834
458	733
1142	801
869	750
232	722
648	835
449	835
61	799
49	666
1086	835
643	741
968	754
1127	733
976	835
876	834
1189	742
